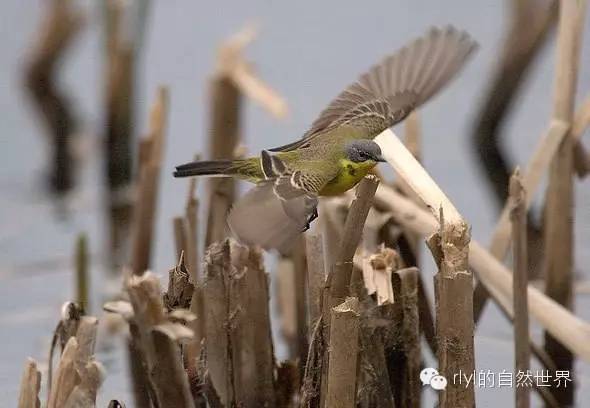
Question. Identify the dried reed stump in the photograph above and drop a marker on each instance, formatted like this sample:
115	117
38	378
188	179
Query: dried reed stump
454	310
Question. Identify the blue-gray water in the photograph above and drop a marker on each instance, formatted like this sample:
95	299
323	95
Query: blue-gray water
308	51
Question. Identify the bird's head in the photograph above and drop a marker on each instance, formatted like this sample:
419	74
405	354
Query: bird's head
359	151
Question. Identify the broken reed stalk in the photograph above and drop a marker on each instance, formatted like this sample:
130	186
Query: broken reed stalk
454	309
145	205
518	216
316	277
65	376
331	223
561	323
168	371
409	259
216	289
192	218
67	327
559	199
291	280
239	351
337	286
29	386
343	354
82	277
225	127
339	277
189	225
405	285
160	375
60	26
180	287
180	235
225	105
250	332
78	375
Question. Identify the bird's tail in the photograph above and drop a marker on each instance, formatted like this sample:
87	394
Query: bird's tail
248	169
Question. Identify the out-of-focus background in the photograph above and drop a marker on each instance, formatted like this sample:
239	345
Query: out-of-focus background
307	51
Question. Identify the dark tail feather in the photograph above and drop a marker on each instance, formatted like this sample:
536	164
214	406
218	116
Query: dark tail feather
204	168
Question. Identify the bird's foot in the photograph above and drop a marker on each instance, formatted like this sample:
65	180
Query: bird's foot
312	217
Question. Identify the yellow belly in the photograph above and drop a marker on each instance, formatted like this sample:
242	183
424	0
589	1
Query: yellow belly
348	177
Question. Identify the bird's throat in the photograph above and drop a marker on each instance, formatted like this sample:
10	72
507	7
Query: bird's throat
348	177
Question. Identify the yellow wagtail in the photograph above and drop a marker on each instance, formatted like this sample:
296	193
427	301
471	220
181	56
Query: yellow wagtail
337	152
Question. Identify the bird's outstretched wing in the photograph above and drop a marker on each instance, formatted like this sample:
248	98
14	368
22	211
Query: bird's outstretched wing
390	90
278	209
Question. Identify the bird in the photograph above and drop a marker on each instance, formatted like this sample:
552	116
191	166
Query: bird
337	152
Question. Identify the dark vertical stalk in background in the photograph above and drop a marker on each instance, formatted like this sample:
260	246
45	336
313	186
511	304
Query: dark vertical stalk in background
122	47
528	31
60	26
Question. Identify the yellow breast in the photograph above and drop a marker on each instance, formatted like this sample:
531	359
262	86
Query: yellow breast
348	177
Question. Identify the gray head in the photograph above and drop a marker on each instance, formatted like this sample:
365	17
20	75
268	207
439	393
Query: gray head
359	151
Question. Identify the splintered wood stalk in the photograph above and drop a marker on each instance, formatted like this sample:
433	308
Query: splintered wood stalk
405	282
344	337
216	300
66	376
192	218
167	373
521	314
239	349
353	229
291	279
158	371
250	335
316	277
29	386
338	280
454	309
559	199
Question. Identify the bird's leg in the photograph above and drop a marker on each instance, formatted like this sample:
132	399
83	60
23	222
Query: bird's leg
312	218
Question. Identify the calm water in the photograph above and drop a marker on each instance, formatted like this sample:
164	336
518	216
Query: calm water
308	51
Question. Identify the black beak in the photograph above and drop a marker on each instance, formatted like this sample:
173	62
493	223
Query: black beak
380	159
